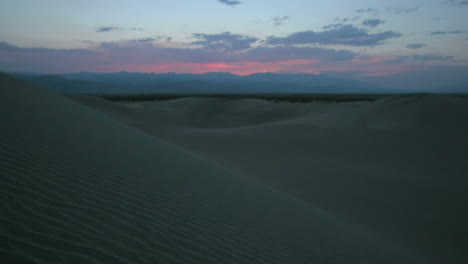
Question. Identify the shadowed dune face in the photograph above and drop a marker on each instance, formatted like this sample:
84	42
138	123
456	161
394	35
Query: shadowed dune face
396	167
78	185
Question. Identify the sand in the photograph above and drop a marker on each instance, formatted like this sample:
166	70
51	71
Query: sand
197	180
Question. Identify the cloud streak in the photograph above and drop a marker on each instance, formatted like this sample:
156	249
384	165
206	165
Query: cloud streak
279	20
366	10
106	29
230	2
400	10
147	40
416	46
453	32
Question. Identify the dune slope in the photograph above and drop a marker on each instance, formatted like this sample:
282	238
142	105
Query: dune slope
79	187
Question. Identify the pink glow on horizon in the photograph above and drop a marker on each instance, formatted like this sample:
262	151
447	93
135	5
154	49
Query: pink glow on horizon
365	67
240	68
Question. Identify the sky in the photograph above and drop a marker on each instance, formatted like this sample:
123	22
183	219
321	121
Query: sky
343	37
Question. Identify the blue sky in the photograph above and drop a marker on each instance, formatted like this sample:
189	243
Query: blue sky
365	37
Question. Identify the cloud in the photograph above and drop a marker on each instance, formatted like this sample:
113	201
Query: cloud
333	26
147	40
372	22
279	20
447	32
336	34
224	41
137	29
400	10
107	29
458	3
366	10
230	2
150	40
345	20
416	46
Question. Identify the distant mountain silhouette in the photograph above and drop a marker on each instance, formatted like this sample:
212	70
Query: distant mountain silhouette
219	83
441	79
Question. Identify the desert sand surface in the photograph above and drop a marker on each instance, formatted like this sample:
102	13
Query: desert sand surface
206	180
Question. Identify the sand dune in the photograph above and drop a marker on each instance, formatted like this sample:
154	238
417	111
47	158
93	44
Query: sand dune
396	167
213	181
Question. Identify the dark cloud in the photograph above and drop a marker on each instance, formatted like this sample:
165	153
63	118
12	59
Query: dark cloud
279	20
416	46
372	22
333	26
89	42
107	29
230	2
458	3
336	34
447	32
366	10
224	41
147	40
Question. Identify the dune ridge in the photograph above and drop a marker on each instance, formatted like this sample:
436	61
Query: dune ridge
77	186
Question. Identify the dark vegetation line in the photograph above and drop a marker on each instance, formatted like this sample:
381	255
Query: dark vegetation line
294	98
